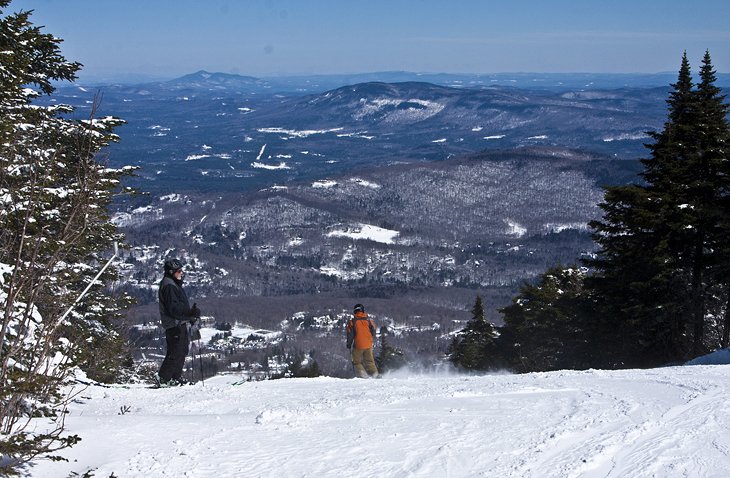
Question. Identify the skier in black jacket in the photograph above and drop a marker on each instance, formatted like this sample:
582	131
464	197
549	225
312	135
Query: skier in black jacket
176	316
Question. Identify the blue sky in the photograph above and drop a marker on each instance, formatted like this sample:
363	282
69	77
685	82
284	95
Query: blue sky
168	38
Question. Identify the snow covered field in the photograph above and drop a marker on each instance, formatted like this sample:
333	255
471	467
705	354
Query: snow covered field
667	422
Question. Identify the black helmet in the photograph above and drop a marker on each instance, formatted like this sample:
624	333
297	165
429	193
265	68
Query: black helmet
359	308
172	265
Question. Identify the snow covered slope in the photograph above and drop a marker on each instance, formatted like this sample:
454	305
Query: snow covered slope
636	423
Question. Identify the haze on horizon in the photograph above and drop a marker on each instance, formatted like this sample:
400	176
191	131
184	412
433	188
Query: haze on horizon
268	38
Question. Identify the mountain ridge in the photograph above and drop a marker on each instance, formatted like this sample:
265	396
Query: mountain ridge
203	137
411	195
533	80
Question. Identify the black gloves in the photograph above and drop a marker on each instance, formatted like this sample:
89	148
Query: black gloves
194	313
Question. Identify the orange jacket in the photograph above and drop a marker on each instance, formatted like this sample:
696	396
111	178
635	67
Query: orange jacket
361	330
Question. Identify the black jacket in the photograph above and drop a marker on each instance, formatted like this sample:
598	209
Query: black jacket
174	304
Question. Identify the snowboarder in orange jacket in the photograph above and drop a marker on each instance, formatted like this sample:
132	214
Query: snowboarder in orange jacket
360	334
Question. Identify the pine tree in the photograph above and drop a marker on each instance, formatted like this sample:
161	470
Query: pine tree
635	308
714	193
473	348
299	365
54	196
545	326
658	269
390	358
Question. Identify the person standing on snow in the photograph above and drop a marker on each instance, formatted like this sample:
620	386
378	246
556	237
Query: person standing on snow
360	333
177	316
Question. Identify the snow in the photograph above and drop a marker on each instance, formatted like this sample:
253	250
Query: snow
555	227
259	165
292	133
626	137
331	271
363	182
415	110
324	184
194	157
280	165
239	331
261	153
367	231
515	229
276	188
173	198
666	422
718	357
361	135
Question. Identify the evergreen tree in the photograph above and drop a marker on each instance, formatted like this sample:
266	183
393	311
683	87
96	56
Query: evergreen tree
544	326
390	358
299	365
714	140
635	308
659	270
634	286
55	234
473	348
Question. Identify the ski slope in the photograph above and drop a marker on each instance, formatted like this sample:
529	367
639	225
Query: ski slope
667	422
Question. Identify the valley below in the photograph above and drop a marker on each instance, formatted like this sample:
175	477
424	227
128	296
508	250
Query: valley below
289	205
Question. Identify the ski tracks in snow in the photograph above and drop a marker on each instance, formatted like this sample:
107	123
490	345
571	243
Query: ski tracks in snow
664	423
620	431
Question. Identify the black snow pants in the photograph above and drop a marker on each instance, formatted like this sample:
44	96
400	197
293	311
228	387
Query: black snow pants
178	346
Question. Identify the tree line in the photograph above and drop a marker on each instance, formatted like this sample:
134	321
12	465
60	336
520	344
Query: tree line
657	289
55	193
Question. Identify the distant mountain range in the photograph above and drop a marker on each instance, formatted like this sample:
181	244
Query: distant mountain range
319	83
217	131
413	193
381	185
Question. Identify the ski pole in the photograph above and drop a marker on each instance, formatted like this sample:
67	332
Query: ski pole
200	357
116	250
192	369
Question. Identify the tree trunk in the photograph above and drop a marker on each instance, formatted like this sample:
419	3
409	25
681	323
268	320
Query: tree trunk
726	329
698	297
